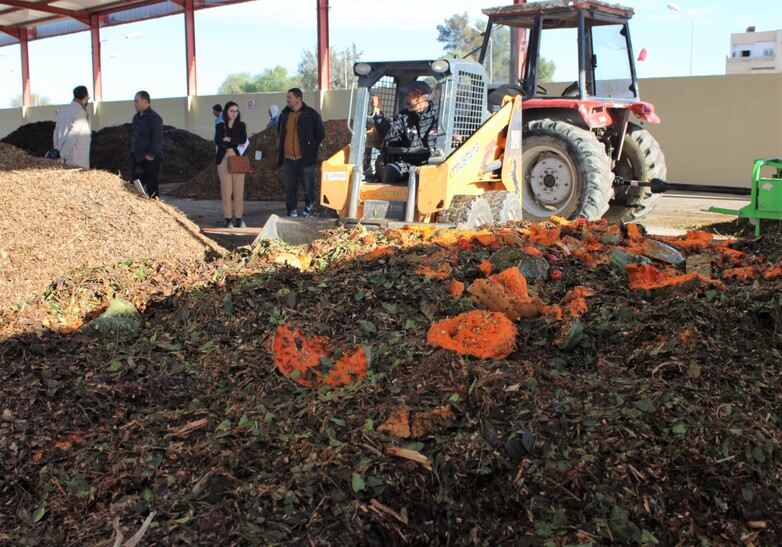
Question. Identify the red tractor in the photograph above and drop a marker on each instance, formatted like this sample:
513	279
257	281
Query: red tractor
578	140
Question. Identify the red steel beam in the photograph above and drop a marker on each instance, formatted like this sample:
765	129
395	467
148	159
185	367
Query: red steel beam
190	48
324	58
81	16
97	72
26	94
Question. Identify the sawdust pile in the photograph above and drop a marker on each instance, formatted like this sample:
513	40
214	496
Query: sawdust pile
265	183
55	220
186	154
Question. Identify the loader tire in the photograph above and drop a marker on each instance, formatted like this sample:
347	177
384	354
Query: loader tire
642	159
467	212
567	172
505	206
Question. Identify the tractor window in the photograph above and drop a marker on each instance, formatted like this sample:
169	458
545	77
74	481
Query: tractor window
611	63
385	88
558	60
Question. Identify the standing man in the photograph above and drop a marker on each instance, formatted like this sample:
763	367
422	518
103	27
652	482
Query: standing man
301	131
72	133
217	110
146	142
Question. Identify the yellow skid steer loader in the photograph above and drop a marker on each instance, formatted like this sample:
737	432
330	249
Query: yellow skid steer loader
469	174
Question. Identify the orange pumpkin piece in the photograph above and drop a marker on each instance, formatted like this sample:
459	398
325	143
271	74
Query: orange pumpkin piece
455	288
486	238
747	272
634	232
294	351
543	236
486	267
377	253
775	271
425	231
479	333
584	257
574	302
648	278
506	292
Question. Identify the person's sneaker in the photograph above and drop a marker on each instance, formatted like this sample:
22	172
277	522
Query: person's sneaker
228	223
240	223
308	211
293	214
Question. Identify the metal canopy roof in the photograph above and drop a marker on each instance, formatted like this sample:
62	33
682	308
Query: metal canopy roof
22	21
38	19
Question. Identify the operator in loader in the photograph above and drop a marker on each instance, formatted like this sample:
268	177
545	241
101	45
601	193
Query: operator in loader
414	127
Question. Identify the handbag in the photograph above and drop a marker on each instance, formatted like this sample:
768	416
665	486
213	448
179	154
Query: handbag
239	164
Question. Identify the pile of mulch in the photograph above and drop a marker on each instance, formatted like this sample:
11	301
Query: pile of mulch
653	418
13	158
56	219
265	183
186	154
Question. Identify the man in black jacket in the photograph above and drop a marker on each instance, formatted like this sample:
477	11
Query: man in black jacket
413	127
146	144
301	131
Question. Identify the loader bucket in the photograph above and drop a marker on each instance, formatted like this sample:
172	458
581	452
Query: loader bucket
295	231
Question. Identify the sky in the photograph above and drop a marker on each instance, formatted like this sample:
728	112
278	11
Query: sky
254	36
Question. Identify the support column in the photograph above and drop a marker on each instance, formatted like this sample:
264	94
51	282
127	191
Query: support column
190	48
27	97
324	56
97	74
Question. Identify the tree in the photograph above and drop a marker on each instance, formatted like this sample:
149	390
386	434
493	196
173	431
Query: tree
271	79
463	39
37	100
342	62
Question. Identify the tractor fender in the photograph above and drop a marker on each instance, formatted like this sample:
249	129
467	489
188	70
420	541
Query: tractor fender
585	114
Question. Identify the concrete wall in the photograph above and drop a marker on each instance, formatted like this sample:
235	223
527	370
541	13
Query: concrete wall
713	127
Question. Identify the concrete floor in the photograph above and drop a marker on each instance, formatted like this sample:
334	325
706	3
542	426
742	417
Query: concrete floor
675	213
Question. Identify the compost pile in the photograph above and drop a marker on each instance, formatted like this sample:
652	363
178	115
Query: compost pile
563	383
265	183
56	219
186	154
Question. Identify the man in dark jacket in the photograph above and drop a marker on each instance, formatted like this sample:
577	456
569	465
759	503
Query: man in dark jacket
146	144
413	127
301	131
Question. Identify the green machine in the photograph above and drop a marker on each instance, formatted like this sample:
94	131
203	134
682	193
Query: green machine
765	195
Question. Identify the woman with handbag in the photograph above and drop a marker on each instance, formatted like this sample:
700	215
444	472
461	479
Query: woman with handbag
229	136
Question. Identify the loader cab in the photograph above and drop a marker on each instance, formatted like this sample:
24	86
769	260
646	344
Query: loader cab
588	43
458	93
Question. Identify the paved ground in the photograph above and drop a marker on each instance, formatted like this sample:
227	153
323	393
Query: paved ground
674	215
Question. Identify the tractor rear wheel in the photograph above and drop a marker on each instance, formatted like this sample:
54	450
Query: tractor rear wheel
566	172
467	211
505	206
642	159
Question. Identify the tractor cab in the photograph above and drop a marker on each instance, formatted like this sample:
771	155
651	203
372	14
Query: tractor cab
588	43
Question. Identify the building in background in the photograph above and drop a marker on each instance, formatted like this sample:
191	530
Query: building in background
754	52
